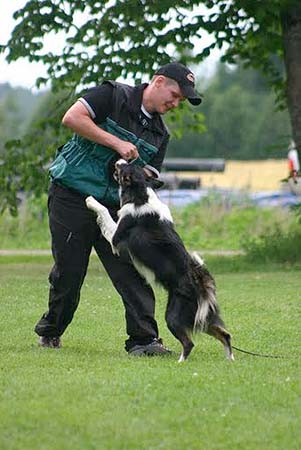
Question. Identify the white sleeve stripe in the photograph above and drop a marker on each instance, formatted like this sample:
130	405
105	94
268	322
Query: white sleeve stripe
86	104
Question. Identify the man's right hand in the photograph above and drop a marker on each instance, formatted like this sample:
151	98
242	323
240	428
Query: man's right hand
127	150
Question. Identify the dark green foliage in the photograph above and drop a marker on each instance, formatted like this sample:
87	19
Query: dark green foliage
219	224
101	39
134	37
17	106
275	245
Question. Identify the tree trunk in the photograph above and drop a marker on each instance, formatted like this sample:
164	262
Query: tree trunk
291	29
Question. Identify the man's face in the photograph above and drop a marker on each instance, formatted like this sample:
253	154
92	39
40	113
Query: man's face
167	95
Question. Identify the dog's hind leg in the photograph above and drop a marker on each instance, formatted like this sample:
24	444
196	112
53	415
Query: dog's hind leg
104	220
207	317
177	329
182	336
187	347
224	337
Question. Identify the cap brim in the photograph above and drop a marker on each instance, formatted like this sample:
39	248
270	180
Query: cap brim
192	96
195	101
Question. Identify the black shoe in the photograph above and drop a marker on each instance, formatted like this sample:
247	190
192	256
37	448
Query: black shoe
50	342
156	347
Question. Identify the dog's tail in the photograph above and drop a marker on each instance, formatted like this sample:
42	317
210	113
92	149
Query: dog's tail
207	317
207	303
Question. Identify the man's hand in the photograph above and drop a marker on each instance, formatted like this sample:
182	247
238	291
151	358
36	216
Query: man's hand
127	150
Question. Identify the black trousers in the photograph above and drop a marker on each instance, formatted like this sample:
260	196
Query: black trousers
74	232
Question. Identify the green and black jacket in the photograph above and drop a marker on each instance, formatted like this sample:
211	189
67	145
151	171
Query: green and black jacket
87	167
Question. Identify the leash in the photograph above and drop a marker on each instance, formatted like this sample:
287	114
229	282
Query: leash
262	355
131	161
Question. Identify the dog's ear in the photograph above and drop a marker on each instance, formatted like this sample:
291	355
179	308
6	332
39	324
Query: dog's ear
154	183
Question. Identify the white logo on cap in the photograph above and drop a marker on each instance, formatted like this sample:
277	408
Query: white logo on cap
190	77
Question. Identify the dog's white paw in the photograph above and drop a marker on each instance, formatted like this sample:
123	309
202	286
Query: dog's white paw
91	203
94	205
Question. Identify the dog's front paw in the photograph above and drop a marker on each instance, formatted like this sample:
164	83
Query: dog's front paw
91	203
95	206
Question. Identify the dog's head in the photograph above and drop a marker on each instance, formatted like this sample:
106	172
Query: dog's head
127	174
133	182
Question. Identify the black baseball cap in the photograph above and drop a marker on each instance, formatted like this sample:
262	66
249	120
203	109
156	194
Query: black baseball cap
185	79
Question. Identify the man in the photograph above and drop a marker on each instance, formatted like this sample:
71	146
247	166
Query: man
109	122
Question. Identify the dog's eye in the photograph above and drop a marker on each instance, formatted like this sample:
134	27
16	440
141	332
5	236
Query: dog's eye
127	180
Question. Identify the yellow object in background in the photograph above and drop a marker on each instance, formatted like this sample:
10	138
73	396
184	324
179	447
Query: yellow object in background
253	176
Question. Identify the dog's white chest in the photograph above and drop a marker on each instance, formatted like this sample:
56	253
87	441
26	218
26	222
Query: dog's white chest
153	206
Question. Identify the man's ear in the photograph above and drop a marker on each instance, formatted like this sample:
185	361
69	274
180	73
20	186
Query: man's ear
159	80
154	183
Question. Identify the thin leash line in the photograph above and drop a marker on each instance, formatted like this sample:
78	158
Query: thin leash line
131	161
262	355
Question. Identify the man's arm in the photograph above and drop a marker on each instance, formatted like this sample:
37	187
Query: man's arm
78	119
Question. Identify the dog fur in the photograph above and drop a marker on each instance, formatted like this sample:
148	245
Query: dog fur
145	230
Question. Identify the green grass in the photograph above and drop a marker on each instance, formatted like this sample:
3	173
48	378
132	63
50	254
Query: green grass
91	395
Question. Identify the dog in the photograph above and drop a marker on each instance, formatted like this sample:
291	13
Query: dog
146	232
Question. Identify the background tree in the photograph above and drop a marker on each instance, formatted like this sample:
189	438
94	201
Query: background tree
132	38
15	109
240	119
24	159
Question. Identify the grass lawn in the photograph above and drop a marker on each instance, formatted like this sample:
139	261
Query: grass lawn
91	395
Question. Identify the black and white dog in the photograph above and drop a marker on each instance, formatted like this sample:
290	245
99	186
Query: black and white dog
145	230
